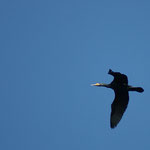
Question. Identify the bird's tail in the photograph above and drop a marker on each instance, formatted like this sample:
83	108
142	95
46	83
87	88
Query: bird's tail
137	89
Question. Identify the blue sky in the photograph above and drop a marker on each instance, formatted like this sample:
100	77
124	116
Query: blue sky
51	51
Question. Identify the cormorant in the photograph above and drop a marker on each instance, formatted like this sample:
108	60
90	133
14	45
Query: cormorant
121	89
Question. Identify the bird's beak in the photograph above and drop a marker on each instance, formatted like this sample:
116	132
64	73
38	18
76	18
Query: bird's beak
97	84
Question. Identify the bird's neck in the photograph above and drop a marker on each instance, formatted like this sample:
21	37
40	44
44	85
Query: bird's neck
105	85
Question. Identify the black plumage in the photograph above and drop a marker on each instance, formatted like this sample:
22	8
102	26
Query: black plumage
121	89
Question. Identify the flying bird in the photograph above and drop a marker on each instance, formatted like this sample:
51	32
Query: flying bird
121	89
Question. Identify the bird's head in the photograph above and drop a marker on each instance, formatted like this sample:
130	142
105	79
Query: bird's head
101	84
97	84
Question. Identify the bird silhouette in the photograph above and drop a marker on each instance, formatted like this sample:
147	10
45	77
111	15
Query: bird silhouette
121	89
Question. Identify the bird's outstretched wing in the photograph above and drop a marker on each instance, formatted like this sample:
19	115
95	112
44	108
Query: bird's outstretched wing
119	78
118	107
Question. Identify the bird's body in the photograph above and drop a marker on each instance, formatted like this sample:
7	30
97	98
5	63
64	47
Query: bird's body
121	89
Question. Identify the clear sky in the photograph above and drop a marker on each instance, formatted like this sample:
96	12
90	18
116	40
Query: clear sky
50	53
